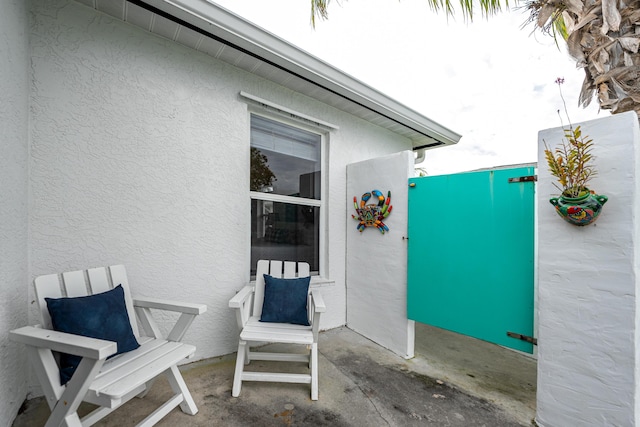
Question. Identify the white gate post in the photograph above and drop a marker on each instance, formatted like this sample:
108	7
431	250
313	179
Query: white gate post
588	322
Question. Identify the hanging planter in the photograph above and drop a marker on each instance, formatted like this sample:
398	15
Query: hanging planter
581	210
573	166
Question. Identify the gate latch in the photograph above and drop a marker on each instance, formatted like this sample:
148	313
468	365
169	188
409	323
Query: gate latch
529	178
526	338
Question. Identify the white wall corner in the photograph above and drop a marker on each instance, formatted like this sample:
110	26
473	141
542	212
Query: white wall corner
14	232
588	322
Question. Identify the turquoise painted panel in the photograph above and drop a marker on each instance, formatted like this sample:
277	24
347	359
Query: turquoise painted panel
471	254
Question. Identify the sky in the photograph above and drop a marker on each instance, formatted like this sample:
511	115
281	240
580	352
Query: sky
492	81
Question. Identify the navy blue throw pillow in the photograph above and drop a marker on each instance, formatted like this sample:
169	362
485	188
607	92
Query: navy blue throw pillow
285	300
103	316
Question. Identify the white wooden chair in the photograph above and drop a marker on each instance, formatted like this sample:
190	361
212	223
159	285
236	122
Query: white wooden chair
107	383
248	304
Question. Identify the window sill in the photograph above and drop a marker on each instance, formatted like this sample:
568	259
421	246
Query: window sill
316	282
321	282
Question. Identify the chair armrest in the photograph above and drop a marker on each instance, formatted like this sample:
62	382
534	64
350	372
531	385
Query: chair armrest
181	307
241	303
241	297
318	301
65	343
188	312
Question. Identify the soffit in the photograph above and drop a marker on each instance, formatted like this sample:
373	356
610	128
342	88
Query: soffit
211	29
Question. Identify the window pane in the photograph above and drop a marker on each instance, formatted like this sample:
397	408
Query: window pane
284	231
284	160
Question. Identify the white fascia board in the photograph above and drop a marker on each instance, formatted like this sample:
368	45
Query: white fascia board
228	26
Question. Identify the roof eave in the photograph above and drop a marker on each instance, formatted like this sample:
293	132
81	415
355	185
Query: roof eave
226	25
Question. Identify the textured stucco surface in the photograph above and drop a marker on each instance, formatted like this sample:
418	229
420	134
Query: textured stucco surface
588	289
140	155
14	118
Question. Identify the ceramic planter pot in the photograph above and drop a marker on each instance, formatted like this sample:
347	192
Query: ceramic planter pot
581	210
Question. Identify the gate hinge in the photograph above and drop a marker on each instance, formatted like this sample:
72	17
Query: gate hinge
526	338
529	178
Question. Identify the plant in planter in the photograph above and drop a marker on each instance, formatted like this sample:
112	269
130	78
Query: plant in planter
573	166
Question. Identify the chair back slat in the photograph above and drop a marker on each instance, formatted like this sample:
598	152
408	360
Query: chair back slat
275	269
258	296
47	286
303	269
289	270
98	280
75	284
119	277
286	270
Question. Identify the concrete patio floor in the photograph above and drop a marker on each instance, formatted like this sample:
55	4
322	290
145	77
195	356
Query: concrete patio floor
453	381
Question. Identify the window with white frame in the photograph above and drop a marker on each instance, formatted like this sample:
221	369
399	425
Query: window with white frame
285	189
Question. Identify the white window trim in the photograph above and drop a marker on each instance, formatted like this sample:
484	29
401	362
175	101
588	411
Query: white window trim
257	195
272	107
272	111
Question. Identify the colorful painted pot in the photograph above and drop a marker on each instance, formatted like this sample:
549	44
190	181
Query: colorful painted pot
581	210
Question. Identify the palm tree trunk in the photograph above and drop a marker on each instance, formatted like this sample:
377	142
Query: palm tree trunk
603	36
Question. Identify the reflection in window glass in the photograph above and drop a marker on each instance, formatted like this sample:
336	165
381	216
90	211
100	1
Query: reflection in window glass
284	160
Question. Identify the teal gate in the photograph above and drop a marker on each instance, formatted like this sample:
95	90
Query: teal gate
471	254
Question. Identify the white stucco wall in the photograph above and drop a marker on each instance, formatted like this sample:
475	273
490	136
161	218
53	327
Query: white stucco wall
14	118
588	289
140	156
377	263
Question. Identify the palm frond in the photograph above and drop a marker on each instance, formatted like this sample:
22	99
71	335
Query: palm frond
319	10
487	7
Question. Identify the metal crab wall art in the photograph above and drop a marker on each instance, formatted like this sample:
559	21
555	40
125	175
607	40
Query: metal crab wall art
371	215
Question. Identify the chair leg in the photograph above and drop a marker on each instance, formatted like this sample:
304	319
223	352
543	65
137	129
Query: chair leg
147	388
314	371
64	412
71	421
247	353
188	406
240	361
